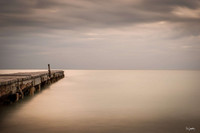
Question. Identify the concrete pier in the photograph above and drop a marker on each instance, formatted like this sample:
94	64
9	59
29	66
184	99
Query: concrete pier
17	85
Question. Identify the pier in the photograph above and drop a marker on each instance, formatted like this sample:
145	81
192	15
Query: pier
14	87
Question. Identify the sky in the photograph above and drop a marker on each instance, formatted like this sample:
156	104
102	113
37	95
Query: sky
100	34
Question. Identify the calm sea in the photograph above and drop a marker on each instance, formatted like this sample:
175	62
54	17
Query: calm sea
109	101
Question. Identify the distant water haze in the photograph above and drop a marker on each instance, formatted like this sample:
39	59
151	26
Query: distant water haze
109	101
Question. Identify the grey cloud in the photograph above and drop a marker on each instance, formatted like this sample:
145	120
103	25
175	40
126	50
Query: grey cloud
89	13
163	4
30	28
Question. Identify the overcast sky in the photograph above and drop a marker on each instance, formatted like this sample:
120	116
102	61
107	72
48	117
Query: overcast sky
100	34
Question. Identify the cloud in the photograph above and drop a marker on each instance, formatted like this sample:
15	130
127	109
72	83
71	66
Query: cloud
68	14
115	31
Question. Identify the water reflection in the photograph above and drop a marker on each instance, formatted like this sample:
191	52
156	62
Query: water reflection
110	101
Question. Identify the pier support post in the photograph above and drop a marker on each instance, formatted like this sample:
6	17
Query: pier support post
32	91
48	81
21	93
38	88
17	97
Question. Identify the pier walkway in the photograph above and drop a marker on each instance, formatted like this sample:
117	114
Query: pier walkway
14	86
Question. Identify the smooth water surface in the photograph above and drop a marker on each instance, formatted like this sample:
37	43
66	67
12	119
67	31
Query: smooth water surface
109	101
